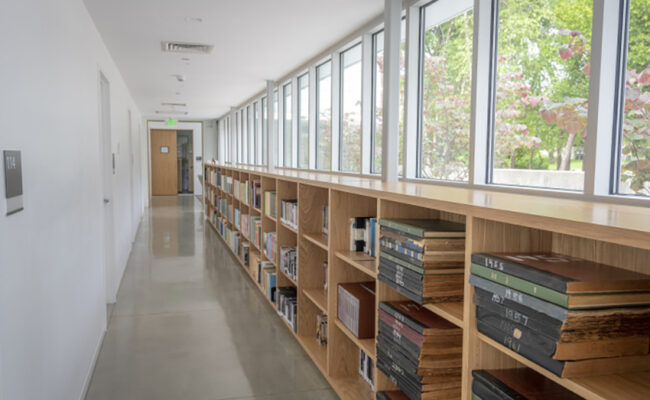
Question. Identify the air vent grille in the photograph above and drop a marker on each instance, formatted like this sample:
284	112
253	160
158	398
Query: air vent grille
171	112
183	47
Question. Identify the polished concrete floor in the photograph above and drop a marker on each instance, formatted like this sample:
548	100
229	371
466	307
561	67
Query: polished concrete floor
189	324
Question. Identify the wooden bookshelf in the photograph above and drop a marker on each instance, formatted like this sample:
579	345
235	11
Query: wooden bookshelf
613	234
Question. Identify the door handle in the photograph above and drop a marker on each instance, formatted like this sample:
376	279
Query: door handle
106	201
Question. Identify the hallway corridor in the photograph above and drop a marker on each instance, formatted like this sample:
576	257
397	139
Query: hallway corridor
190	325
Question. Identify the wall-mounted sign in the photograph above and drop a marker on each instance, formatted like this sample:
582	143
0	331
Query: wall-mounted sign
171	122
164	149
13	181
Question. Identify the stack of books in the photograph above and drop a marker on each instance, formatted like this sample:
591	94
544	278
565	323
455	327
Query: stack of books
288	262
571	316
516	384
287	305
363	235
419	351
423	258
268	204
256	194
289	213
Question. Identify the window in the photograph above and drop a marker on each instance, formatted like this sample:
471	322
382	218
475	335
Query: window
378	100
324	113
286	126
633	140
350	122
242	137
256	135
445	90
303	121
276	125
250	149
541	92
265	136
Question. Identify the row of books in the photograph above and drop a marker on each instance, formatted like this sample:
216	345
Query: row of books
367	369
289	261
270	239
244	252
287	305
419	351
268	203
571	316
363	232
241	191
256	194
255	230
321	328
266	278
423	259
212	176
289	213
227	184
237	219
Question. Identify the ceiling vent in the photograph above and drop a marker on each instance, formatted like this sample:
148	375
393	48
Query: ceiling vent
174	104
183	47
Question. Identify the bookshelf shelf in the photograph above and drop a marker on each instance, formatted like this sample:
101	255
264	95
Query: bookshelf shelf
367	345
287	227
452	312
318	296
495	222
290	279
360	261
316	351
319	239
618	386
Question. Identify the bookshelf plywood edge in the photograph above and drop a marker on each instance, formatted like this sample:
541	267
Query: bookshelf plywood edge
488	228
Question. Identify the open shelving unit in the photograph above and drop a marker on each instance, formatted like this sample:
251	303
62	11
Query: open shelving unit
613	234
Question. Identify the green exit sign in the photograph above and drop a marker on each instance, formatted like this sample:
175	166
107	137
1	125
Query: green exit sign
171	122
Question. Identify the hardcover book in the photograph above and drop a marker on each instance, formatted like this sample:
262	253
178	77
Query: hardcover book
520	383
356	308
426	228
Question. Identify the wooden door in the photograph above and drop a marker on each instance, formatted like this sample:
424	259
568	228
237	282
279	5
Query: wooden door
163	163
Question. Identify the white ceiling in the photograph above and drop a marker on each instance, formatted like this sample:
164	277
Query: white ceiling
254	40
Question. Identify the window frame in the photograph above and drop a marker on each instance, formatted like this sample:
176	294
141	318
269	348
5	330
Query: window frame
317	113
299	110
341	85
373	104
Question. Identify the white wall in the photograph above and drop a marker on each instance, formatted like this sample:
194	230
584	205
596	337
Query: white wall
52	289
197	138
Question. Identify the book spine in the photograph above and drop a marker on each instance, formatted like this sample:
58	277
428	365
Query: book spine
411	295
514	296
390	354
397	248
411	230
404	235
399	260
408	279
540	343
389	260
413	392
397	338
525	286
534	275
415	325
515	345
518	313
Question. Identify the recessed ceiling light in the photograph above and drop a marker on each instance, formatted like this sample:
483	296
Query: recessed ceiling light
172	112
196	20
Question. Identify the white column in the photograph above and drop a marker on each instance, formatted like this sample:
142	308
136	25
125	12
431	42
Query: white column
390	133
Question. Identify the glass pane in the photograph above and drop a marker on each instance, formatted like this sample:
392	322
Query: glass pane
350	140
250	149
634	150
287	139
446	90
276	126
402	80
378	45
256	134
265	116
324	111
303	121
542	88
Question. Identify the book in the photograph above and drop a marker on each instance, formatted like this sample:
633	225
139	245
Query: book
550	347
367	369
289	262
356	308
419	318
565	274
422	245
359	236
570	301
391	395
325	220
519	383
567	369
321	328
426	228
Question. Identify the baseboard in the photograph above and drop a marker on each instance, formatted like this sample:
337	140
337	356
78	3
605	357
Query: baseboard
91	370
